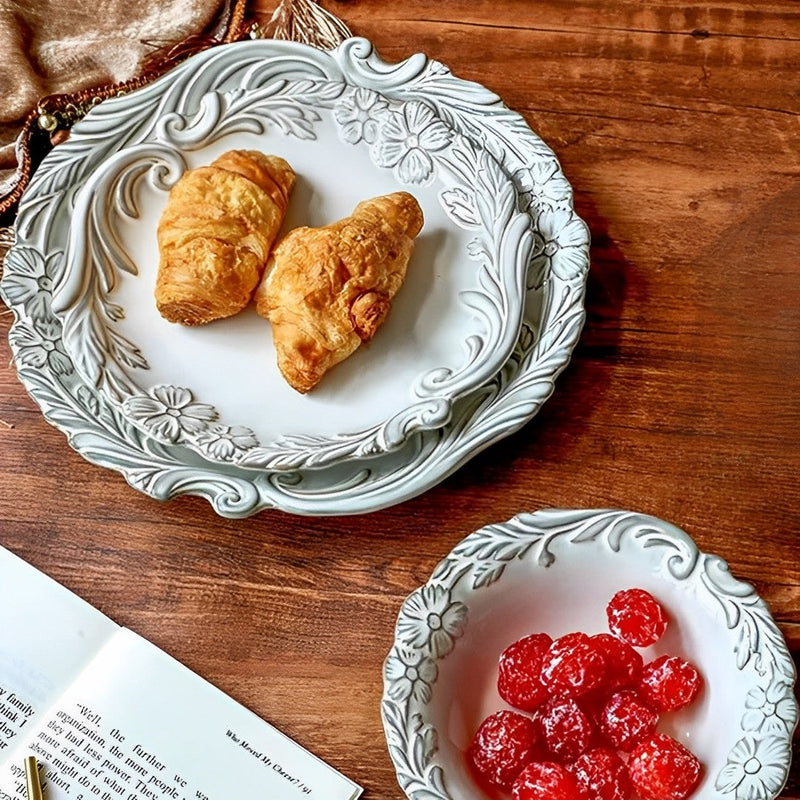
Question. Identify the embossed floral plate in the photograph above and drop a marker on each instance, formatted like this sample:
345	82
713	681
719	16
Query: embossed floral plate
99	428
554	571
452	326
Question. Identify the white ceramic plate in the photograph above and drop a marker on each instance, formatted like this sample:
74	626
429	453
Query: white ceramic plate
452	326
95	422
554	572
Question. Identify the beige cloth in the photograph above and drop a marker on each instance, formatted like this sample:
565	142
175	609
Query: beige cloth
56	46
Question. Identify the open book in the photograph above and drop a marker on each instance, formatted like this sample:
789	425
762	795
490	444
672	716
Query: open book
109	716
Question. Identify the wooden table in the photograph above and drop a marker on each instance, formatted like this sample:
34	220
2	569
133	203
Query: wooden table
677	125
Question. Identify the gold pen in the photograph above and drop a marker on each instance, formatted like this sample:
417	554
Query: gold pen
34	787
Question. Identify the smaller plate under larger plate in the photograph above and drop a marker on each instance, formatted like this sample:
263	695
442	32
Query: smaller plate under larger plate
216	388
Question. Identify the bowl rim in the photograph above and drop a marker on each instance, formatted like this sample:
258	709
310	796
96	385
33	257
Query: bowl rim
479	560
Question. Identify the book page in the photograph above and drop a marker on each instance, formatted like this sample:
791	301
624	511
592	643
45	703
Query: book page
138	725
47	635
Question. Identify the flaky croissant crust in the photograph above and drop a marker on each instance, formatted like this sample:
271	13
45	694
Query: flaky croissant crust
327	290
216	234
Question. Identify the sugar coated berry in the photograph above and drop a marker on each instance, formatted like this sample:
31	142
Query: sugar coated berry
662	769
636	617
519	668
565	729
627	720
546	780
624	664
602	775
573	665
669	683
503	744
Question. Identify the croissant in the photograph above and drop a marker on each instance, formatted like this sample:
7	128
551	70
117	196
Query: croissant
327	290
216	233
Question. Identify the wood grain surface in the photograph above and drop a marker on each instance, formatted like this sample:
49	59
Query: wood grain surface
678	125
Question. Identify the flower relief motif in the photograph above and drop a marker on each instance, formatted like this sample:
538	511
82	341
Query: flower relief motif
756	768
29	281
562	239
542	184
770	709
410	674
169	412
225	442
407	141
41	344
356	115
429	619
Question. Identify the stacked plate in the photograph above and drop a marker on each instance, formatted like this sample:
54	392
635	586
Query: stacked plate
487	318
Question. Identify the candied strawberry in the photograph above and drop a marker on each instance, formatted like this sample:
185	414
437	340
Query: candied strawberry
518	680
503	744
602	775
662	769
669	683
636	617
573	665
546	780
624	663
564	728
627	720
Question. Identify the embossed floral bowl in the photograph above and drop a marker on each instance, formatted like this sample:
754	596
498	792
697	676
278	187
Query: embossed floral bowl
554	571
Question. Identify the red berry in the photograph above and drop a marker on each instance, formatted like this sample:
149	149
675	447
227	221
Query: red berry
669	683
518	681
602	775
662	769
573	665
504	743
545	780
636	617
627	720
624	663
564	727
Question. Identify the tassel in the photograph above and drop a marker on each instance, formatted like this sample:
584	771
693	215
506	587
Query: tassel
305	21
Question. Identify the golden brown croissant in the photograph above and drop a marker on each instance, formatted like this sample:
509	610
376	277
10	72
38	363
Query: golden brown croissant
327	290
216	233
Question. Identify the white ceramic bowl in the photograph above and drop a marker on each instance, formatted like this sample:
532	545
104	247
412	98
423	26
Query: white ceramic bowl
554	571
